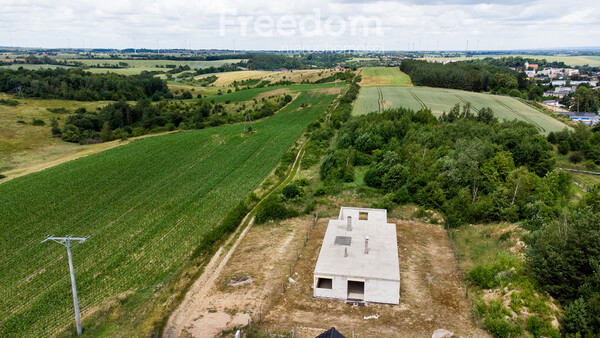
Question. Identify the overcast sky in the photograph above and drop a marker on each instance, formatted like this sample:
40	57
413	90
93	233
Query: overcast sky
310	24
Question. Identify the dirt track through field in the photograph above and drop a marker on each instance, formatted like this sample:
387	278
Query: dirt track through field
195	315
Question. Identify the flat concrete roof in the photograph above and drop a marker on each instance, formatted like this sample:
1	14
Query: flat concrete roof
382	260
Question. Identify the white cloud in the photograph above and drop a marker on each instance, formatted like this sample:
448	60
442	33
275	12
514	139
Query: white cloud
429	24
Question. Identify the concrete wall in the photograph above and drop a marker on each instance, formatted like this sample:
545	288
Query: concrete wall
382	291
376	290
374	215
339	288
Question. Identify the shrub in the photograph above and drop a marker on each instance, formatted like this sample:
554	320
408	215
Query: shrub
60	110
575	318
539	327
498	327
9	102
290	191
482	276
272	209
37	122
321	190
489	276
576	157
564	147
302	182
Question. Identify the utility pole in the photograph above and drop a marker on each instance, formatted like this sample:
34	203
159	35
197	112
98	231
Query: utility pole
248	120
66	241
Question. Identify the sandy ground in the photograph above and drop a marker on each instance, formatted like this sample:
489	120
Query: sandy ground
269	277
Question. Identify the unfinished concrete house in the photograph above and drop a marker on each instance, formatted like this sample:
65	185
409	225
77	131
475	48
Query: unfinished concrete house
358	261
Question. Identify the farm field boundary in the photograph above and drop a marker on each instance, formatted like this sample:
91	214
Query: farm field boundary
145	205
441	100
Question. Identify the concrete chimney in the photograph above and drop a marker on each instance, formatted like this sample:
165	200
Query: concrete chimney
366	245
349	226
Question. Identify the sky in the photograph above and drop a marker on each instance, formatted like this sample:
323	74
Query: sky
309	24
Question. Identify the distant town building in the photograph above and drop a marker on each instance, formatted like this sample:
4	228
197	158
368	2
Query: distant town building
560	92
553	103
589	119
533	66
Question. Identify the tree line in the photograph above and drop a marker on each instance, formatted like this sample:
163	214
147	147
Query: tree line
474	169
121	119
477	77
76	84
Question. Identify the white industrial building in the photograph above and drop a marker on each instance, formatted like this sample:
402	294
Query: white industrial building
358	261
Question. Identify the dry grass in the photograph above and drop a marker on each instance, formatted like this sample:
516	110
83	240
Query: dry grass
225	79
23	144
296	76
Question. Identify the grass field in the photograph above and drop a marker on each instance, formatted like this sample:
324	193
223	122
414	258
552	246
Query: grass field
154	63
384	76
33	67
145	205
24	143
441	100
137	66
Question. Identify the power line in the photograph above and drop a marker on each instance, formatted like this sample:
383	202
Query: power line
66	241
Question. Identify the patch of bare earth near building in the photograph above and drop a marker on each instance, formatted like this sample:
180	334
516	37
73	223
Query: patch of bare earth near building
432	293
269	275
249	281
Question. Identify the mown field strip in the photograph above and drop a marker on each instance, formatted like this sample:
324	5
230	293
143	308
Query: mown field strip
145	205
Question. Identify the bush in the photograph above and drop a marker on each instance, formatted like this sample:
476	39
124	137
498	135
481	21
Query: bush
489	276
321	190
37	122
483	276
9	102
539	327
575	318
290	191
499	327
564	147
272	209
576	157
302	182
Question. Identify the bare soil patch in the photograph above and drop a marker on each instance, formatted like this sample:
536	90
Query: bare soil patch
263	257
269	277
432	294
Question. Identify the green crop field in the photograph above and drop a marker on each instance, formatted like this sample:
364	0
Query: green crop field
384	76
146	206
441	100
